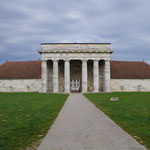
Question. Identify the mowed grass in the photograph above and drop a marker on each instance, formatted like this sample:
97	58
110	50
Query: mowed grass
26	117
131	112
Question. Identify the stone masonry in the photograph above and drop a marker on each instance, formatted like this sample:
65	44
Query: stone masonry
84	67
74	67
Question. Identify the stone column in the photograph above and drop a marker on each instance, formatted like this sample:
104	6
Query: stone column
67	76
96	75
84	76
107	76
44	76
55	76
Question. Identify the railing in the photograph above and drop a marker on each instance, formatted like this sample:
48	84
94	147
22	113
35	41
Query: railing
75	85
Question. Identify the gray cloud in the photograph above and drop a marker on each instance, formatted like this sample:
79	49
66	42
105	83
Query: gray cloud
25	24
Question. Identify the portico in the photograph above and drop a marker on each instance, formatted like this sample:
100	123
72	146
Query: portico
75	67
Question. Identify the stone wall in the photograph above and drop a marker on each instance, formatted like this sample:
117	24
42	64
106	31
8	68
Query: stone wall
20	85
104	46
50	76
101	76
75	73
61	76
90	76
130	85
34	85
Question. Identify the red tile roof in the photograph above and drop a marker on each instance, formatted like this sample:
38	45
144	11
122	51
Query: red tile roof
129	70
32	70
21	70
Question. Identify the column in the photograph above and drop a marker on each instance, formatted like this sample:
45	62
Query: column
67	76
84	76
55	76
107	76
96	75
44	76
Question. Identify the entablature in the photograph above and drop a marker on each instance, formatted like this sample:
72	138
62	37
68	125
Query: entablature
75	56
78	50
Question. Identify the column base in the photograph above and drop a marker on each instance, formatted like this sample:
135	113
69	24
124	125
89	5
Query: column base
43	91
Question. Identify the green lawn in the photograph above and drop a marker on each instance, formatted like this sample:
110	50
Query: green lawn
131	112
26	117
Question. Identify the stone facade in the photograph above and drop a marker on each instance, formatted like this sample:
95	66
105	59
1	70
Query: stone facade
20	85
75	73
34	85
128	85
75	66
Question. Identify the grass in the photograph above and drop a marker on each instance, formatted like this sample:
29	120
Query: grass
26	117
131	112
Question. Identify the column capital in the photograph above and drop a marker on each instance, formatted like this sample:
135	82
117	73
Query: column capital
43	60
66	59
96	59
84	59
107	59
55	59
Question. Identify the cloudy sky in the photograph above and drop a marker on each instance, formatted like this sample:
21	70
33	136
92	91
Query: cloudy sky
24	24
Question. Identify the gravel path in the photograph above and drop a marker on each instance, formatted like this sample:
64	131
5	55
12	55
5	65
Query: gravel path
81	126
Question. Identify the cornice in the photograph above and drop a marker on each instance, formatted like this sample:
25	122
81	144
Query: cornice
65	50
74	43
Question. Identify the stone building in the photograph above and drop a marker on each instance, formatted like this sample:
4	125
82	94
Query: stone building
74	67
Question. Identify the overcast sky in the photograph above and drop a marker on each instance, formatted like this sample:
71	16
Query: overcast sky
24	24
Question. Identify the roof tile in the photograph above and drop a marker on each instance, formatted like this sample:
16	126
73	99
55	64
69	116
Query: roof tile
21	70
32	70
129	70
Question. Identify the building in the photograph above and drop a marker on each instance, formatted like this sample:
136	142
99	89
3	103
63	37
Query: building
74	67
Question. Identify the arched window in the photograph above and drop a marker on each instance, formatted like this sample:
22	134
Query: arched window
28	88
11	88
122	88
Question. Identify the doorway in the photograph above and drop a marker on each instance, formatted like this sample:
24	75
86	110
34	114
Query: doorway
75	75
75	85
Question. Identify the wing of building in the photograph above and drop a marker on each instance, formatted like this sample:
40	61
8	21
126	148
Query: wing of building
74	67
